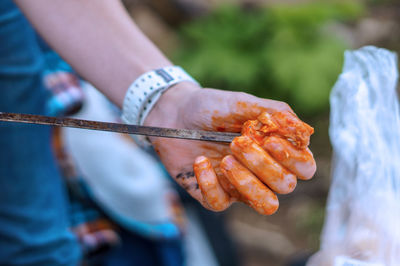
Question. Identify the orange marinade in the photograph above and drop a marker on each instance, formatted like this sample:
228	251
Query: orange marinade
282	124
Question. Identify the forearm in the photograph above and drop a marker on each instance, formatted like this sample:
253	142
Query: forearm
98	39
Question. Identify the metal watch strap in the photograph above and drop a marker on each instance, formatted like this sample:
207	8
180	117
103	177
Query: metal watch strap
144	93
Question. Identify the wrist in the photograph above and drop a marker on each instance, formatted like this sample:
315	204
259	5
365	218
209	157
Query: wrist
153	99
166	112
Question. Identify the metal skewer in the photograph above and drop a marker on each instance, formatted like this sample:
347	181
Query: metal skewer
119	128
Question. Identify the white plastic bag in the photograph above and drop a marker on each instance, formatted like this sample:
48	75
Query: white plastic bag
362	224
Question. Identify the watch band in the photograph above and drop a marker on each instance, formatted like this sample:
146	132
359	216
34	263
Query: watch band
144	93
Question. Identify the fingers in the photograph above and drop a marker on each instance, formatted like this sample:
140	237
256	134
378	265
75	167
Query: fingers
252	190
214	195
300	162
263	165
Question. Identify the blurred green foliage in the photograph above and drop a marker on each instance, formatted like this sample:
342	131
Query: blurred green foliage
381	2
283	52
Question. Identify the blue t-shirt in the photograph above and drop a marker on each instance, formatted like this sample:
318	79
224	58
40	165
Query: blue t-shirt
33	202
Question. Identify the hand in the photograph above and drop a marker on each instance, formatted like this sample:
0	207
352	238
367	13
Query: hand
262	162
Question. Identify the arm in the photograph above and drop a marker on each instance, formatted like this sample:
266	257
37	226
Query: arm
98	39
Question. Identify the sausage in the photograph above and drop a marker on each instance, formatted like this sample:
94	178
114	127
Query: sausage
214	195
253	191
254	157
300	162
